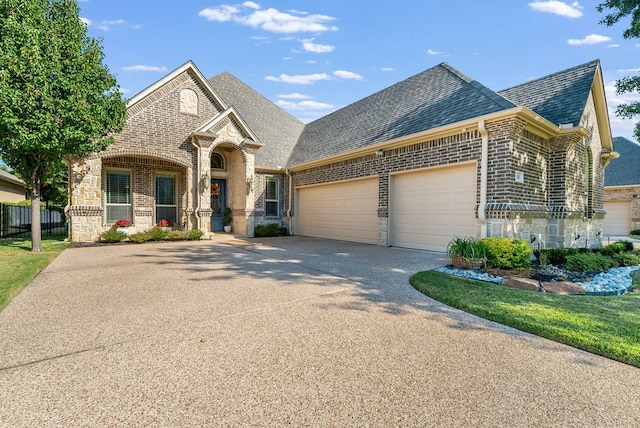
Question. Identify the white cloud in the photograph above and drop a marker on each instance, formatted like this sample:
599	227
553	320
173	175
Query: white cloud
304	105
614	45
591	39
106	25
86	21
432	52
558	8
343	74
222	13
300	79
294	96
628	70
270	19
308	46
140	67
387	68
620	127
251	5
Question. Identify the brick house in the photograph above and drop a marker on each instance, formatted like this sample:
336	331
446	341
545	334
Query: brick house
622	190
433	156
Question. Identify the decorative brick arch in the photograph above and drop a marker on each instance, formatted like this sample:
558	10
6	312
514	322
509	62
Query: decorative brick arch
143	153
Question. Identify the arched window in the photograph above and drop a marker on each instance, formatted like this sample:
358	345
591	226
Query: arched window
217	161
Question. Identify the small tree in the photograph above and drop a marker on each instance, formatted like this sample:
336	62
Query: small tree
619	9
57	98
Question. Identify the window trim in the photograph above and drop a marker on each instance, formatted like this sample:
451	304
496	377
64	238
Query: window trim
275	200
175	195
108	204
223	161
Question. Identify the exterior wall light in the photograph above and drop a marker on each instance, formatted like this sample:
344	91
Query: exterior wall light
206	179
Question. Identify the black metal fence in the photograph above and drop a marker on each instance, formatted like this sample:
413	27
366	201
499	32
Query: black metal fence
15	222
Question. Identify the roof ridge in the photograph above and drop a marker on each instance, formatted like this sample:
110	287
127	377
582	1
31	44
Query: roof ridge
595	61
494	96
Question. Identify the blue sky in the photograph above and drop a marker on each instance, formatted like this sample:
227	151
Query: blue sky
312	58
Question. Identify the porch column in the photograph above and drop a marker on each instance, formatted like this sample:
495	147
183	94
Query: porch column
84	209
250	148
202	199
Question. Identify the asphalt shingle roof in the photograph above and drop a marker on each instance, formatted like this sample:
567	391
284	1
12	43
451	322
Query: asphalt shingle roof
274	127
625	170
560	97
438	96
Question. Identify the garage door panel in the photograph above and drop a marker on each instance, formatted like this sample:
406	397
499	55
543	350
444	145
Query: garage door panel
344	211
617	221
430	207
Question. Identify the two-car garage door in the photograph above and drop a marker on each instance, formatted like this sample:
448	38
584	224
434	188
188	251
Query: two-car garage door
427	208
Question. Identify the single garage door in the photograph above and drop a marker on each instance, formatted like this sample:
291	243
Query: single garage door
346	211
617	221
431	207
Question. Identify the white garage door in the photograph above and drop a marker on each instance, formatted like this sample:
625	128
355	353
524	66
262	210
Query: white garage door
431	207
346	211
617	221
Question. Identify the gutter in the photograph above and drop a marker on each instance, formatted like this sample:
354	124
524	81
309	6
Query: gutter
289	221
484	165
197	198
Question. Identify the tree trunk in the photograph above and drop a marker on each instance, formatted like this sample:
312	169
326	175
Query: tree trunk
36	229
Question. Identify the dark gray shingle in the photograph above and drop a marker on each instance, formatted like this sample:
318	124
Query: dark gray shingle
436	97
625	170
274	127
560	97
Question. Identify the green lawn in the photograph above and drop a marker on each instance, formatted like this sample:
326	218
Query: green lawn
608	326
18	265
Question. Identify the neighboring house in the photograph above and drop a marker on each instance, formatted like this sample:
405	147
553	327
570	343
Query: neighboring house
622	189
12	189
433	156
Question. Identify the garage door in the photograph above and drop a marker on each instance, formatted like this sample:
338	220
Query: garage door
430	207
346	211
617	222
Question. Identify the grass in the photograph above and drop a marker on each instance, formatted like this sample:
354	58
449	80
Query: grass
607	326
18	265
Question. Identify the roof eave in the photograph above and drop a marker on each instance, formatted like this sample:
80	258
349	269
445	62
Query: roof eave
535	122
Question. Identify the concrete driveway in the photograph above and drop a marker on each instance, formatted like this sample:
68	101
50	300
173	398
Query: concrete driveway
280	332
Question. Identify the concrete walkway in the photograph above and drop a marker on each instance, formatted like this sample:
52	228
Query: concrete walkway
280	332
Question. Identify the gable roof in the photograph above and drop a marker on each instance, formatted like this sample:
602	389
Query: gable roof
560	97
274	127
623	170
436	97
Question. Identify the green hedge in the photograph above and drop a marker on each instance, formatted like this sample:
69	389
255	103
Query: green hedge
504	253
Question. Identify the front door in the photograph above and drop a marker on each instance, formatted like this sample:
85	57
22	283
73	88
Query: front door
218	198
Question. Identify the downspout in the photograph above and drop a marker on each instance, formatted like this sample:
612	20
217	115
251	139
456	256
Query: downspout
197	198
484	165
289	222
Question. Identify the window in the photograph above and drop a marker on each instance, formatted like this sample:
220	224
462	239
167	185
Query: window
118	190
166	207
217	161
271	198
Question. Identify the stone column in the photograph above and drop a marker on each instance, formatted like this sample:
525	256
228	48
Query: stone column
250	148
84	211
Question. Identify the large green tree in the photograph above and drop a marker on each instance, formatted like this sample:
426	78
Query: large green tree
615	10
57	98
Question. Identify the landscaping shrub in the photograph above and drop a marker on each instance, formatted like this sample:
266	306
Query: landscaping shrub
627	259
555	256
176	235
112	235
157	234
635	232
194	234
504	253
615	248
271	229
588	262
467	248
140	237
